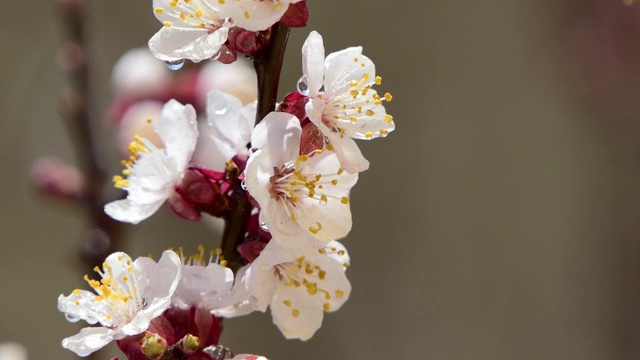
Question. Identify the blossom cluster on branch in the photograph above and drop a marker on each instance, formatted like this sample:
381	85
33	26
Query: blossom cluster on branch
281	180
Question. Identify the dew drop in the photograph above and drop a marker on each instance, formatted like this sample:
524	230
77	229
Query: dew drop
323	201
218	106
263	226
175	65
243	185
303	88
71	318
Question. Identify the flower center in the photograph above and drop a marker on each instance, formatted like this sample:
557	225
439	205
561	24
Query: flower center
119	292
360	103
200	258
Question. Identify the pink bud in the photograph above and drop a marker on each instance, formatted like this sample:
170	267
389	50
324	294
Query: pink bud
297	15
53	176
294	103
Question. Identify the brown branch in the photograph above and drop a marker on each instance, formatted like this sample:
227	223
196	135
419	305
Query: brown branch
268	64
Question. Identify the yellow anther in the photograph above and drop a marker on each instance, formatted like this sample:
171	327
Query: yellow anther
198	13
315	228
325	307
378	80
368	135
344	200
159	10
167	23
173	4
370	112
182	16
339	293
287	303
384	132
295	313
294	217
246	15
388	97
387	118
353	118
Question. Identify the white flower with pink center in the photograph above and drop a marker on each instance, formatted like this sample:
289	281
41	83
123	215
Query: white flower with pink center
192	30
254	15
125	301
342	103
298	284
151	172
300	196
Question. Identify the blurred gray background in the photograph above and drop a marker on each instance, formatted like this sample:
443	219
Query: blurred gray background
499	221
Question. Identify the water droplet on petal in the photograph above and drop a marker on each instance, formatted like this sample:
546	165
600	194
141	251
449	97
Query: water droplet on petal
218	105
303	88
263	226
71	318
175	65
243	185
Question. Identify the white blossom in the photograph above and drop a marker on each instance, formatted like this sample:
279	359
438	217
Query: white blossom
227	131
192	30
128	298
342	103
254	15
204	281
152	172
300	196
298	284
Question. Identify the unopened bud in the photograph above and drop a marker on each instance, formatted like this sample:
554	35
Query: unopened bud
153	345
296	15
189	344
53	176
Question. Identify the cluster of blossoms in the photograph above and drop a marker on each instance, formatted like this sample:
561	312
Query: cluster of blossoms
295	168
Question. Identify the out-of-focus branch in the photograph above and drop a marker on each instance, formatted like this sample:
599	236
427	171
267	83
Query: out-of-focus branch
76	107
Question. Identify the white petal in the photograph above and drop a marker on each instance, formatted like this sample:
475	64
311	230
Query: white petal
343	66
313	62
229	120
328	219
281	133
238	302
81	305
203	286
254	15
174	43
179	132
165	278
89	340
300	320
131	212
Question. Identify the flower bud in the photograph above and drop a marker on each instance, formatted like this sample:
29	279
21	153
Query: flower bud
296	16
189	344
53	176
153	345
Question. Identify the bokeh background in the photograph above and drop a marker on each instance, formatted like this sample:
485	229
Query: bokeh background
501	220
